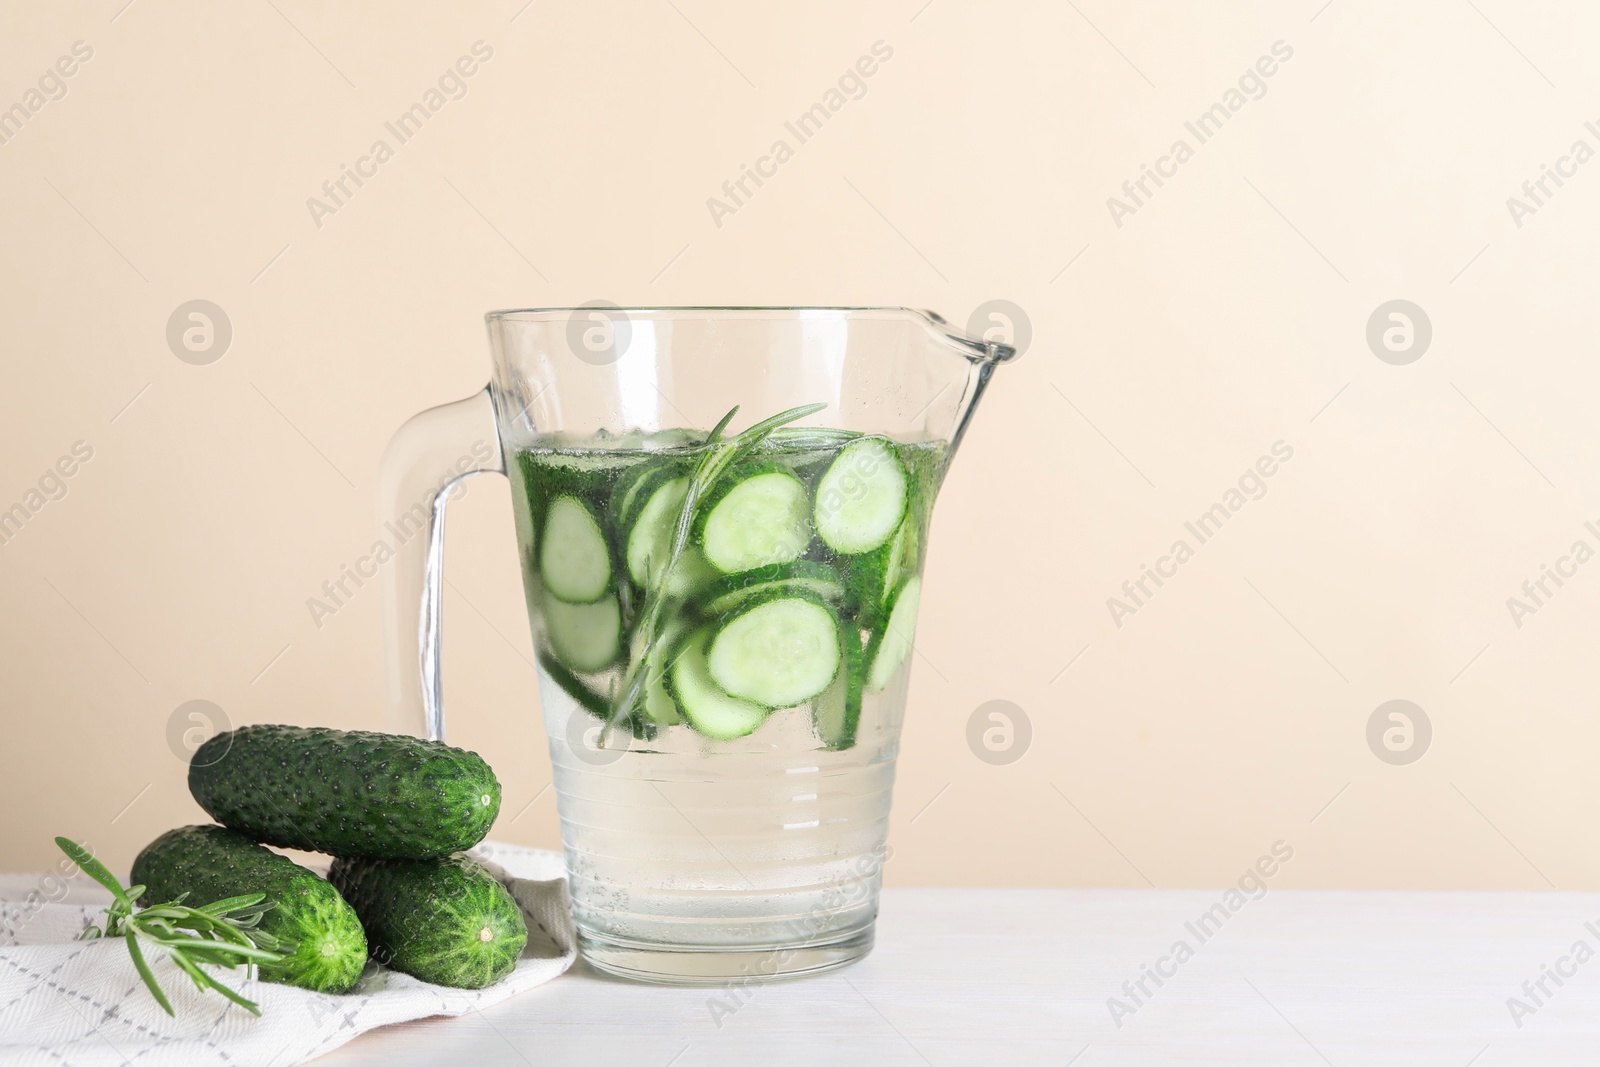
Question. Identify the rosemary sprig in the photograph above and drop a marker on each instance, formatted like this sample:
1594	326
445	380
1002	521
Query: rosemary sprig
719	456
225	933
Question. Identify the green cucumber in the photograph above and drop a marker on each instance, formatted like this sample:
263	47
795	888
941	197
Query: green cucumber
892	644
586	637
836	714
778	652
761	516
729	592
349	793
320	933
862	497
706	707
574	560
445	921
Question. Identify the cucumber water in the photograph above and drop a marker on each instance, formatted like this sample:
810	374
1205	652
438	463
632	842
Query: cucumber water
792	562
722	678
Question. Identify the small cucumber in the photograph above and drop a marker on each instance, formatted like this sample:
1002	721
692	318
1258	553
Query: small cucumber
574	559
706	707
349	793
762	516
777	652
892	644
324	941
587	637
445	921
862	497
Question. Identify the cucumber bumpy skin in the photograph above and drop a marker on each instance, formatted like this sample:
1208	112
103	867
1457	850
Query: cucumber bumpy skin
349	793
320	932
444	921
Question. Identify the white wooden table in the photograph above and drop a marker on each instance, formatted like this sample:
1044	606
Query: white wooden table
1004	977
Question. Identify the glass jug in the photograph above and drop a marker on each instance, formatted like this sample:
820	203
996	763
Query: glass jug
721	515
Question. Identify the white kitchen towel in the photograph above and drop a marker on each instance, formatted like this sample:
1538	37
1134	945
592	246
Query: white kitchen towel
64	1001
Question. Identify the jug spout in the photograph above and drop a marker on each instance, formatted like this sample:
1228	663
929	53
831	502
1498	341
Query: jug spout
975	349
982	356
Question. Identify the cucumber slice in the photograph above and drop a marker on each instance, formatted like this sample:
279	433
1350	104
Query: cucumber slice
862	497
875	577
891	645
650	538
763	517
586	637
586	698
573	558
725	594
658	704
837	712
692	573
644	475
904	554
706	707
778	652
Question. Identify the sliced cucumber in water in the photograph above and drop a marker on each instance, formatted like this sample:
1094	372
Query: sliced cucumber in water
763	517
727	593
574	560
586	637
706	707
650	543
862	497
777	652
905	553
588	699
657	702
891	645
691	574
625	493
875	577
836	714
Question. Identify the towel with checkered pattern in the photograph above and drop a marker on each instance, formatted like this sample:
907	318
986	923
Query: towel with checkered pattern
65	1001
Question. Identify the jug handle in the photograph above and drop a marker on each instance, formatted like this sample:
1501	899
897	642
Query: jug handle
426	463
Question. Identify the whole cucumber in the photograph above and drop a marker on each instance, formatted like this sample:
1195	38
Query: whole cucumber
326	945
349	793
446	921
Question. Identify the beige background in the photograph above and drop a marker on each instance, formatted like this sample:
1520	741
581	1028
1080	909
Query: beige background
1225	315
